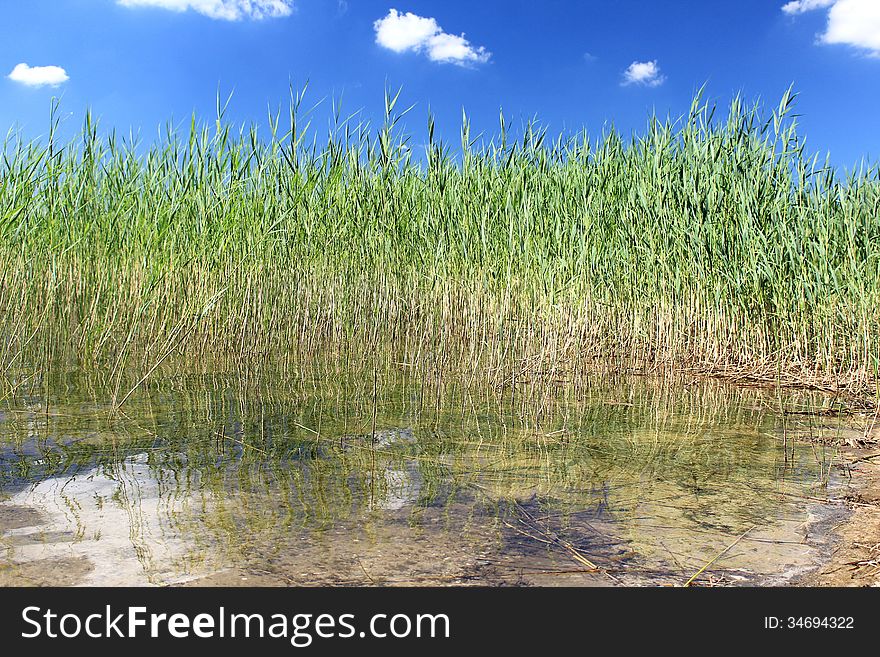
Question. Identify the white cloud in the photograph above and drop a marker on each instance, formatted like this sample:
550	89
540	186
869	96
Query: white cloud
850	22
454	48
646	73
855	22
409	32
38	76
402	32
230	10
800	6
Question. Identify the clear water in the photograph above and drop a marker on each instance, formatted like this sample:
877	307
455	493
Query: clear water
222	478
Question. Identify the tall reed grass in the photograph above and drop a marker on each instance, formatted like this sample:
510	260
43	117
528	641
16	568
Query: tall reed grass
710	243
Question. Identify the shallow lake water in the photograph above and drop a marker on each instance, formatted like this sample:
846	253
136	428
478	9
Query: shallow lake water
217	478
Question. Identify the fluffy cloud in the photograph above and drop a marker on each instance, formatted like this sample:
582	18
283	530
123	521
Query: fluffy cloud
230	10
800	6
850	22
646	73
409	32
38	76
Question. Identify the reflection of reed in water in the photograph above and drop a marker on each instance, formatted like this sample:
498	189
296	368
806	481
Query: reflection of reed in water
117	517
248	471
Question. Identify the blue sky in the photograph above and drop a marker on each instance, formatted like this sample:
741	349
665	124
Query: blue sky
574	64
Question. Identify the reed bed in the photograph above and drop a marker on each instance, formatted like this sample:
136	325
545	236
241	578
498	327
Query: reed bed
706	243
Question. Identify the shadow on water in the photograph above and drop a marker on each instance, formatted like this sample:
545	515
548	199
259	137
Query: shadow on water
215	478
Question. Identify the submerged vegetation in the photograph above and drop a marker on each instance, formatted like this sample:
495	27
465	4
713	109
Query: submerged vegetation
707	243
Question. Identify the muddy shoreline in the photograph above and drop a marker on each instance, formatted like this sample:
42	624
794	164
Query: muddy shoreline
855	558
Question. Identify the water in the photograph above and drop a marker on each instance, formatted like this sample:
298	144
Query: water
222	478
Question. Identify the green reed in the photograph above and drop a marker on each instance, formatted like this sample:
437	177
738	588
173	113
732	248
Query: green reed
704	243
